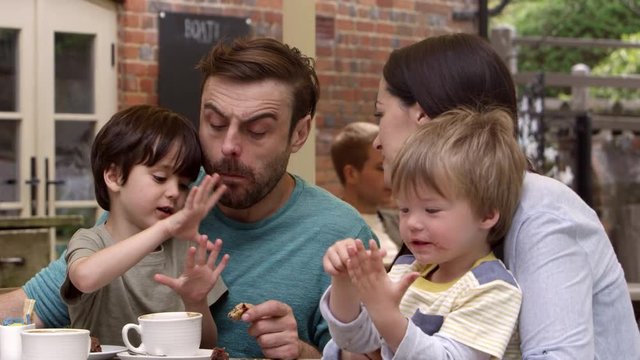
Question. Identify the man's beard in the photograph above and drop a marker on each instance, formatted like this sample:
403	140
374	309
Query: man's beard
260	184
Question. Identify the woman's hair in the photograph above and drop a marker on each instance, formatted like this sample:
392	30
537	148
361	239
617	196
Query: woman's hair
251	60
143	134
449	71
465	154
351	146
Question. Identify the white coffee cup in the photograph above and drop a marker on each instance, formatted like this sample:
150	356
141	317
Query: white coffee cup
55	344
10	341
166	333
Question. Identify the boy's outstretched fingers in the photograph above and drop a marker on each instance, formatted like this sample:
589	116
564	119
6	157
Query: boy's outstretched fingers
217	193
201	252
213	255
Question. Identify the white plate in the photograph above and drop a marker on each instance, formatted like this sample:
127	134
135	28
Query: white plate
202	354
108	352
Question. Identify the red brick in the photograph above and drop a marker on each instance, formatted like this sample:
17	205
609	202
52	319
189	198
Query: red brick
273	17
131	68
130	83
326	8
129	51
152	99
131	99
344	52
404	4
152	70
134	36
368	82
148	86
269	4
344	25
429	8
385	28
149	22
324	51
130	20
365	26
135	5
151	37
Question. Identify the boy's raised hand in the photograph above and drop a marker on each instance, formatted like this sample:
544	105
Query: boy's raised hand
336	257
200	272
184	223
369	277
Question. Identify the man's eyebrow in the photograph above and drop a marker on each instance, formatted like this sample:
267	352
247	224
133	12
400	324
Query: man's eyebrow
268	114
260	116
215	109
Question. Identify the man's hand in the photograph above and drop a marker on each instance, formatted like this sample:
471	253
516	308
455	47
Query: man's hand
276	331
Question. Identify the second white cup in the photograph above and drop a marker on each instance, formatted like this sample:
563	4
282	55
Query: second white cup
167	333
10	341
55	344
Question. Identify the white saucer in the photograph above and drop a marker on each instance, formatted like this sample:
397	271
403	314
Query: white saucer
202	354
108	352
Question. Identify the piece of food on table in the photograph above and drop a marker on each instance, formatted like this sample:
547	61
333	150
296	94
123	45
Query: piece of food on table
95	344
238	310
219	354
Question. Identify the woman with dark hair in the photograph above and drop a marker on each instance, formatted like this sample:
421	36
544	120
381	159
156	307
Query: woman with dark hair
575	299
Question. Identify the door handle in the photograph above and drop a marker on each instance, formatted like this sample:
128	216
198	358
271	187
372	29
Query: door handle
18	261
47	183
33	182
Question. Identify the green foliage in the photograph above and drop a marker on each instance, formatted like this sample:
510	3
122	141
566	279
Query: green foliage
603	19
620	62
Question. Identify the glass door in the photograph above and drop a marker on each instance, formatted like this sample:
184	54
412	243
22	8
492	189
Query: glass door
16	106
58	85
76	96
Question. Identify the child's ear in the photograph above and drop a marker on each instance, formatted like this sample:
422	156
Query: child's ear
112	177
490	219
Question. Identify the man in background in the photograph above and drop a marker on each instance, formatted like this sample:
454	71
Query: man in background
359	168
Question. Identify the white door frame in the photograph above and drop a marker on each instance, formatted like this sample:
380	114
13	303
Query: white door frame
37	22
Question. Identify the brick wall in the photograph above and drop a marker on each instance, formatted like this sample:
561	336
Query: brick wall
138	37
353	40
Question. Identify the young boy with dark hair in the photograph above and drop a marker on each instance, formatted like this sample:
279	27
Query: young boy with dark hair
143	161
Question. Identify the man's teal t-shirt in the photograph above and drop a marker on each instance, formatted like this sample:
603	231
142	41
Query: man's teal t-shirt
280	258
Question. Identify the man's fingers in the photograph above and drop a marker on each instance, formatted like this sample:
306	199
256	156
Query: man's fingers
279	345
270	308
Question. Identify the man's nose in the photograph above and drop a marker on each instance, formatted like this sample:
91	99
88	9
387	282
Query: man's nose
231	143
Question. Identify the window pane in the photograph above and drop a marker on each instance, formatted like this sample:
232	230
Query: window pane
73	169
8	67
74	73
8	160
